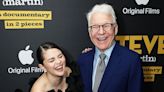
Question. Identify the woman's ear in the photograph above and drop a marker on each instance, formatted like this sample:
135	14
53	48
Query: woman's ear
42	67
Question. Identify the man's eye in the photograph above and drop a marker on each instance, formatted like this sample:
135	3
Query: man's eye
108	25
95	26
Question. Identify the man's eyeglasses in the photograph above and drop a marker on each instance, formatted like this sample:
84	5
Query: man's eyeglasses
106	27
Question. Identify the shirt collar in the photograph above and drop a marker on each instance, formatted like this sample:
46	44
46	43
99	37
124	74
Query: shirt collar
106	52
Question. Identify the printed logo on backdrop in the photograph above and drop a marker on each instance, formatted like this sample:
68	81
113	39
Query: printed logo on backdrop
22	2
25	56
24	19
153	45
26	60
149	71
142	2
141	11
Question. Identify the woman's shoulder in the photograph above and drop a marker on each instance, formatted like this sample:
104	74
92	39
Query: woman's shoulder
39	84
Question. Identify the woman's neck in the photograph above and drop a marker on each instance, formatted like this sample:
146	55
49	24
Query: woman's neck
57	82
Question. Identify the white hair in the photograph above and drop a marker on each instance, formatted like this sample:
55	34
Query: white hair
102	8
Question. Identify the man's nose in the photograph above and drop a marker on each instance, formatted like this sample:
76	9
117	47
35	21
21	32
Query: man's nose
101	30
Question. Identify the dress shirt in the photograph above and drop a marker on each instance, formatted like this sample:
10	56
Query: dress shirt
97	59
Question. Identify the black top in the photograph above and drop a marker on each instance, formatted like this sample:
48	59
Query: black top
74	80
74	85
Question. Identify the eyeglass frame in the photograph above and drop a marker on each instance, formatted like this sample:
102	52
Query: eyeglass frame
103	27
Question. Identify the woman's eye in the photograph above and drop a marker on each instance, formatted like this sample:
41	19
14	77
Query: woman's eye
51	60
60	56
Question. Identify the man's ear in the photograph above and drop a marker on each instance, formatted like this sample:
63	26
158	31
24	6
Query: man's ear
116	29
42	67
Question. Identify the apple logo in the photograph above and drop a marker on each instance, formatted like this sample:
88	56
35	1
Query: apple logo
25	56
142	2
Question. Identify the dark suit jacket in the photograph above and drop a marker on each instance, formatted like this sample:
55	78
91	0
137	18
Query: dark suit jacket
123	72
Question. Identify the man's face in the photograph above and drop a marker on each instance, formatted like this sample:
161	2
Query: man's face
102	30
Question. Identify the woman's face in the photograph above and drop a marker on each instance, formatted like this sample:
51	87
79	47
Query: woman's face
54	62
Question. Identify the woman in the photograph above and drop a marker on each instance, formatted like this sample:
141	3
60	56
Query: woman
60	75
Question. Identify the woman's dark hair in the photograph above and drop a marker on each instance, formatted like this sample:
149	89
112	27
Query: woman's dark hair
49	45
74	80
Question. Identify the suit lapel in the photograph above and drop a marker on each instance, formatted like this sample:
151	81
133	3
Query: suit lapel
110	69
89	70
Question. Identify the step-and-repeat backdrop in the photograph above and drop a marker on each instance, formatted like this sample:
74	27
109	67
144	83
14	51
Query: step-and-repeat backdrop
25	24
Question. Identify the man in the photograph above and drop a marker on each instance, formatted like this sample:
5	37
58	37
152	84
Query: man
118	69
